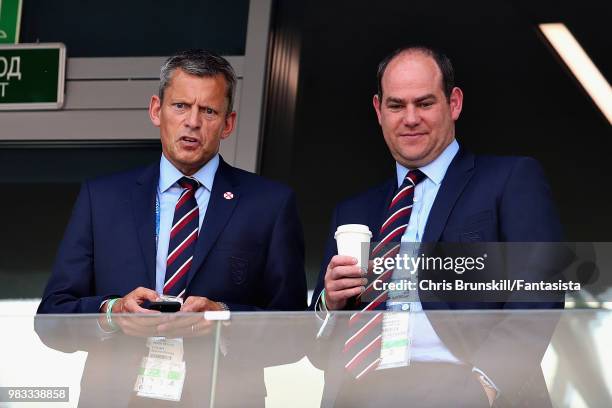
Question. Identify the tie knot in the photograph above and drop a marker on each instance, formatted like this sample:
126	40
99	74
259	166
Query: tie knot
189	183
414	177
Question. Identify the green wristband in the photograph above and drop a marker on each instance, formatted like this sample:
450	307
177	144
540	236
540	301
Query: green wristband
323	299
109	311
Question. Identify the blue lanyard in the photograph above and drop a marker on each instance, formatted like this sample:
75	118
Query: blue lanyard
157	217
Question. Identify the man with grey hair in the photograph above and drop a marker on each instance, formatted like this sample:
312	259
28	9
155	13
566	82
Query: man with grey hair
189	226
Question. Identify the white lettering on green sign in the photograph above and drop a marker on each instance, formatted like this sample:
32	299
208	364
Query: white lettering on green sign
9	68
32	76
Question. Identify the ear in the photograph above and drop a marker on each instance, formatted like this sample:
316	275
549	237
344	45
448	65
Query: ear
376	103
230	123
456	102
154	110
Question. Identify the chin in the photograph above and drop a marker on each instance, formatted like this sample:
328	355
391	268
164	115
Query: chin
412	162
188	157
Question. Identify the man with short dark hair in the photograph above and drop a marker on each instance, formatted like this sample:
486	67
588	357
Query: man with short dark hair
440	193
190	226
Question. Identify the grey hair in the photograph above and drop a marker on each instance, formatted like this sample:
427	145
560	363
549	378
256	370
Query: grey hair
201	63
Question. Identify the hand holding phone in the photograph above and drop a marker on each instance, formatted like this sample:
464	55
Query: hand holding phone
165	306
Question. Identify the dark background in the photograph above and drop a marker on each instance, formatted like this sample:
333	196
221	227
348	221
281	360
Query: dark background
320	135
135	28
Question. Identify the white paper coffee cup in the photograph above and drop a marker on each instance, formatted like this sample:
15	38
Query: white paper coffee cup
354	240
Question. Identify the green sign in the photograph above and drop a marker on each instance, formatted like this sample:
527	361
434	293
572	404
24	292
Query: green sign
10	17
32	76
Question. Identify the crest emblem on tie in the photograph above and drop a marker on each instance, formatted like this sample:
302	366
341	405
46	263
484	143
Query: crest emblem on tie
228	195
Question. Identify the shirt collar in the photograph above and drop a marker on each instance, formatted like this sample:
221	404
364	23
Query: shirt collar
169	175
435	170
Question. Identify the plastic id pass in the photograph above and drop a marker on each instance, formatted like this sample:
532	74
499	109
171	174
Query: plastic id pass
396	338
162	372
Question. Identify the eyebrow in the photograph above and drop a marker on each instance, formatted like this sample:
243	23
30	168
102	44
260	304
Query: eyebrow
178	100
185	102
392	99
425	97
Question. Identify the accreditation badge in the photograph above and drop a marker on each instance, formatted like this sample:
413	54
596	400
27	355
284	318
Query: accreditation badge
162	372
396	338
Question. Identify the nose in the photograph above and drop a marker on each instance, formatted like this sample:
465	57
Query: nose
194	120
411	117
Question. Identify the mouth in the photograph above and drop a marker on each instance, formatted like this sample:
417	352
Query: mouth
413	134
189	142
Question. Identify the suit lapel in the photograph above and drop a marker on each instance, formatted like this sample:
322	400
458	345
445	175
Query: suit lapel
218	213
457	176
143	206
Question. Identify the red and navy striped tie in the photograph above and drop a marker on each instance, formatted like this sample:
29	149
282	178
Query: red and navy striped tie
183	237
363	347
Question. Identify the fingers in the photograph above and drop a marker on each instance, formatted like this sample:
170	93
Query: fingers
149	320
342	260
344	267
185	326
341	272
143	294
343	280
132	305
194	299
337	299
194	304
168	325
199	304
131	302
179	321
347	283
142	326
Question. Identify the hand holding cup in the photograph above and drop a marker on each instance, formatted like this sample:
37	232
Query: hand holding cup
345	275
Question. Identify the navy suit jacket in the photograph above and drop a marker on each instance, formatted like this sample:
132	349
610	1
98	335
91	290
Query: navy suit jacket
249	254
481	199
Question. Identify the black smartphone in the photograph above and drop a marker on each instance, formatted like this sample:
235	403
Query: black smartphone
165	306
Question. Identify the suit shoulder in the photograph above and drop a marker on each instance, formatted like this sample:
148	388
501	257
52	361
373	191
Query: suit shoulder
503	161
506	164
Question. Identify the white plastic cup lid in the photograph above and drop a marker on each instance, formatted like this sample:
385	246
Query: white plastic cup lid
353	228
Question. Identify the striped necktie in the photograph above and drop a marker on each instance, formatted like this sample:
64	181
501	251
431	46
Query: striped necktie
183	237
363	347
